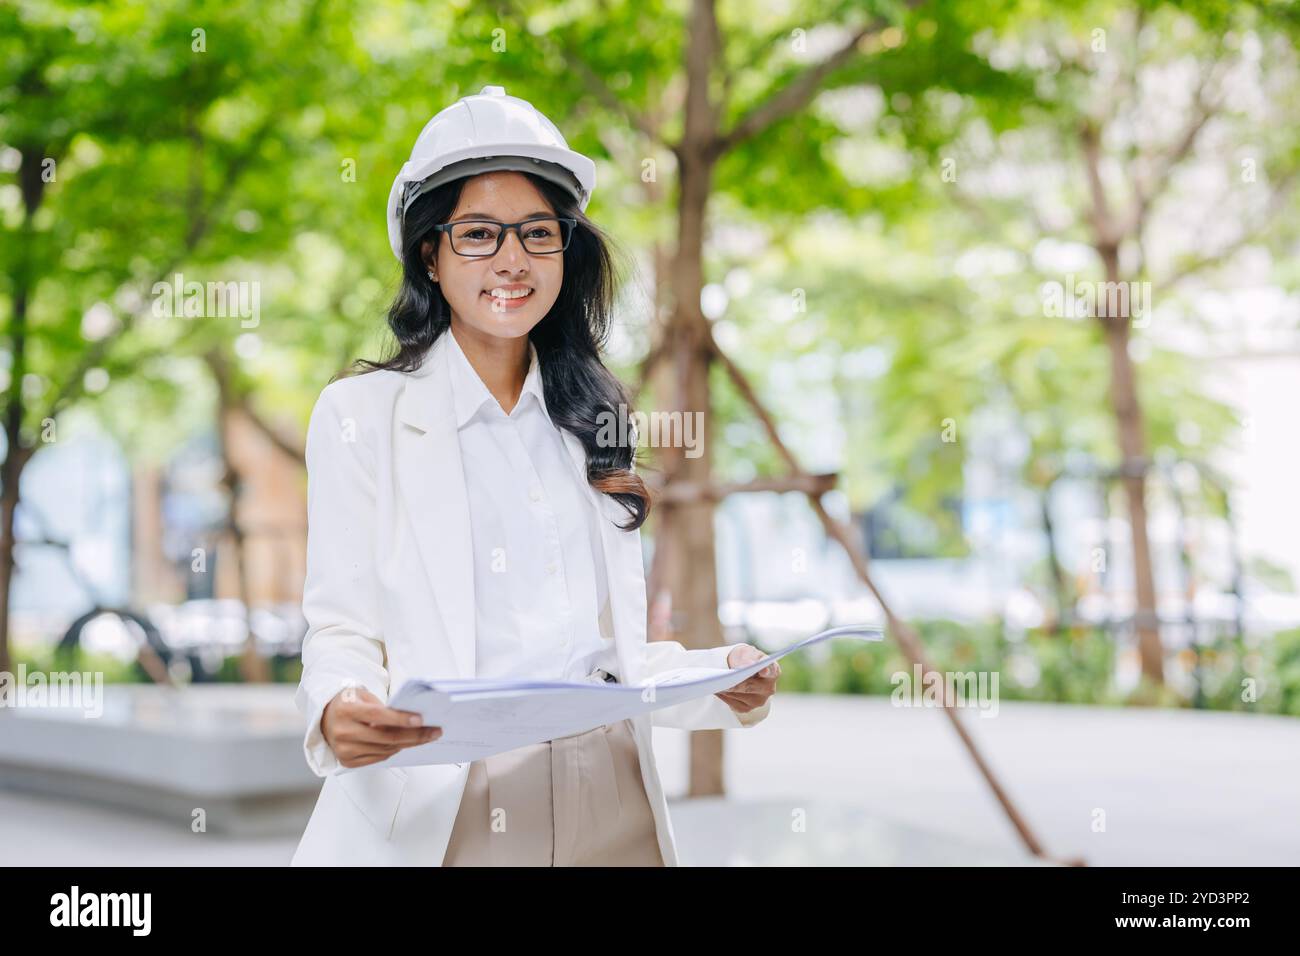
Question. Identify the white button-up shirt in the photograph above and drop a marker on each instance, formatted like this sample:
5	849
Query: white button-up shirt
540	586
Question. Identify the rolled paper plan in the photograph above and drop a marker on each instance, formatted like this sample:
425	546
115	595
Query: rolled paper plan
480	718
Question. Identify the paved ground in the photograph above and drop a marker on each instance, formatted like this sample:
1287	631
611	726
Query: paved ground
1176	787
834	780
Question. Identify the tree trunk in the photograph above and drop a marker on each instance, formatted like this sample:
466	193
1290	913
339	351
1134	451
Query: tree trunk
252	666
12	471
1132	443
16	456
692	572
1064	606
692	568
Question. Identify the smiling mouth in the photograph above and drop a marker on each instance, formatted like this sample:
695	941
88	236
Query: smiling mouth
501	302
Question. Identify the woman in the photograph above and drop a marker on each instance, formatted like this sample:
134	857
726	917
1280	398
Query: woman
466	520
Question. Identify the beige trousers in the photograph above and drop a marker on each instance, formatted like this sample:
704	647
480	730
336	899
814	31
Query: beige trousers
573	801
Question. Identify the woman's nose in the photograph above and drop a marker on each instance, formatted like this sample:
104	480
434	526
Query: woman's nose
512	252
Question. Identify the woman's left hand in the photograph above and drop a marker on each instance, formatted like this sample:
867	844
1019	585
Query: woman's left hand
754	691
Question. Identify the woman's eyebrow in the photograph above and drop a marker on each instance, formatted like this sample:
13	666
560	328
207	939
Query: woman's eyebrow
483	215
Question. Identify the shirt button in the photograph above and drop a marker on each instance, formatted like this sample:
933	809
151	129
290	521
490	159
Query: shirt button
535	494
551	569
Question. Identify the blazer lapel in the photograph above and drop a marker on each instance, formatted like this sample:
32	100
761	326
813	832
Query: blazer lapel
432	484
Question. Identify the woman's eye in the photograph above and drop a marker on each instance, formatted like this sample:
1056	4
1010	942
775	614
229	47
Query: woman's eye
540	231
476	234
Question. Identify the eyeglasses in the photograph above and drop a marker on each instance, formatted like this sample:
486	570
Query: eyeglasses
544	235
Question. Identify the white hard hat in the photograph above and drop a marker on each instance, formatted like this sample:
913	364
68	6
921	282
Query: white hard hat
481	133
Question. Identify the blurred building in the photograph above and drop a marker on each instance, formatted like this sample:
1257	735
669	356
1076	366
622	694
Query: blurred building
157	535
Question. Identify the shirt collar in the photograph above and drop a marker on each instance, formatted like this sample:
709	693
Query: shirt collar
470	394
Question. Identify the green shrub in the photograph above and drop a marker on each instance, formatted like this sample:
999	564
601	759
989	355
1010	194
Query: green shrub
1076	666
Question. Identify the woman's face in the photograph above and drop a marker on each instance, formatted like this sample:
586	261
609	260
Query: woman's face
467	282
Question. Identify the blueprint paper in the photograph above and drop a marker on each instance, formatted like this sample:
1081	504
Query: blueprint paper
480	718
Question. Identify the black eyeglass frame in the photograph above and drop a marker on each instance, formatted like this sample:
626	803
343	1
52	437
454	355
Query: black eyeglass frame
505	228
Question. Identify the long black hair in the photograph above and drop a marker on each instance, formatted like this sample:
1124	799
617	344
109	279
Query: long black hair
568	339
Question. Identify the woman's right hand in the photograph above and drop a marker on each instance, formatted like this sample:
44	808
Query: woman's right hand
361	730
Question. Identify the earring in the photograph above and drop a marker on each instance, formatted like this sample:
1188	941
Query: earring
432	277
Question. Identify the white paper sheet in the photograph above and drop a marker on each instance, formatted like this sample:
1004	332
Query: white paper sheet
480	718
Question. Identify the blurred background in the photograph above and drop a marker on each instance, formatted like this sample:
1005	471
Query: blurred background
989	310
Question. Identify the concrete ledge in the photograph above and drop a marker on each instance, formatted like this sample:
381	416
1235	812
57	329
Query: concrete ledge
233	750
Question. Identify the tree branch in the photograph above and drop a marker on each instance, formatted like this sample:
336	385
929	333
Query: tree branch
596	84
600	89
93	356
291	448
792	97
686	492
1273	205
1146	193
798	92
908	640
1105	234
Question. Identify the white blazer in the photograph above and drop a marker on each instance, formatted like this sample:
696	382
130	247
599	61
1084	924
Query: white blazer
389	596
